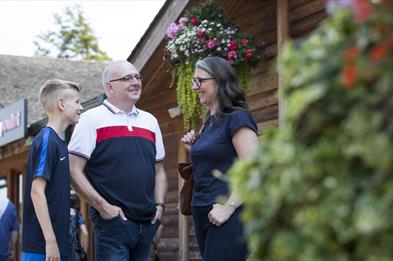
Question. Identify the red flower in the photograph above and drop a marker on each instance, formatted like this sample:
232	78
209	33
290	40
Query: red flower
348	76
351	54
194	20
247	59
245	42
363	10
232	45
378	53
201	34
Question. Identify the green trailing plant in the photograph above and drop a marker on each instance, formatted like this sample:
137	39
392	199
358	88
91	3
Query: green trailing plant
203	32
321	187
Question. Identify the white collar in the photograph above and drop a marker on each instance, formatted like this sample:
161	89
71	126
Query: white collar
115	110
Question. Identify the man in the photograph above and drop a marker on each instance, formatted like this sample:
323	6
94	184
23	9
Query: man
9	227
120	150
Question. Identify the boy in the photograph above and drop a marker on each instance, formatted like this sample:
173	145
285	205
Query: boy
46	207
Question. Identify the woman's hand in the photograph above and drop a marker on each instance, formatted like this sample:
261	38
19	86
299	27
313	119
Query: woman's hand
220	214
188	139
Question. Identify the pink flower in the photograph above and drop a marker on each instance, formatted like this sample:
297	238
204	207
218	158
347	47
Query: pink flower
231	54
183	20
249	52
172	30
211	43
194	20
232	45
201	33
245	42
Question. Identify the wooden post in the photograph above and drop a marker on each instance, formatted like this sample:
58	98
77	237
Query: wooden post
183	220
282	37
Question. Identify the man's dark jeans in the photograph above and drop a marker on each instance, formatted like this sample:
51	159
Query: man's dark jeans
117	240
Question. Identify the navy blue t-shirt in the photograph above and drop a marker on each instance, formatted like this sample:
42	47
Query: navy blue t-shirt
48	158
8	223
214	151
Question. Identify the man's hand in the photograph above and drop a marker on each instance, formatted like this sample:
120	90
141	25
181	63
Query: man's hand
159	214
111	211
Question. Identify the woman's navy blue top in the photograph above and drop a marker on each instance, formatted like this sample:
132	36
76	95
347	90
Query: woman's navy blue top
214	151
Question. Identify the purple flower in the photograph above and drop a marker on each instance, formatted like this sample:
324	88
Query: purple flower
172	30
262	47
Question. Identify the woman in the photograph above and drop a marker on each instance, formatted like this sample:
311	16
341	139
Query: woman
229	132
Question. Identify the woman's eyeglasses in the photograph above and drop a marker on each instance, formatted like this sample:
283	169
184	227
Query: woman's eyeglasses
198	81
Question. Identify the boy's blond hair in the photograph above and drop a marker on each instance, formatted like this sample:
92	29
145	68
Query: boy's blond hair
54	89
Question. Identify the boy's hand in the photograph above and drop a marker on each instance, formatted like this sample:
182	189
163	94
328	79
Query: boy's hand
52	251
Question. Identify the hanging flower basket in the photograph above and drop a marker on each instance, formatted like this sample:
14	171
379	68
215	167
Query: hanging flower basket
203	32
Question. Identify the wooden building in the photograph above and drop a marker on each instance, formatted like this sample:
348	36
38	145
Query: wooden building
271	21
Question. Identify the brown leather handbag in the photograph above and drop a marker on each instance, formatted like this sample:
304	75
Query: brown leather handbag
185	196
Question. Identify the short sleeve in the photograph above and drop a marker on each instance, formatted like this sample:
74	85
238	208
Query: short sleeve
160	150
239	119
15	222
83	139
45	150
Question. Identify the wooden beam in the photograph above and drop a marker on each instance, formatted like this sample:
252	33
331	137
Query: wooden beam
154	36
183	220
282	37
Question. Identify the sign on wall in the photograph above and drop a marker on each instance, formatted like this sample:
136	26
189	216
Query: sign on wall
13	122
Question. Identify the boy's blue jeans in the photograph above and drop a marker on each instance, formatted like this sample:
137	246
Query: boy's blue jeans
118	240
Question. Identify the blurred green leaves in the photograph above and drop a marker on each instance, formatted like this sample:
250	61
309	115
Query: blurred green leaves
321	188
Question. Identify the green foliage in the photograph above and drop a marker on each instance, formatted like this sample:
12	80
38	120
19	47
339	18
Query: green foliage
73	39
187	99
321	187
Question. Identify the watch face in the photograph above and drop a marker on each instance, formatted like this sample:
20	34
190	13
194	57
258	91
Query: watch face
231	204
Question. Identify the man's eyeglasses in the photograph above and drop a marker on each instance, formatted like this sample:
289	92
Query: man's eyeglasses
198	81
129	78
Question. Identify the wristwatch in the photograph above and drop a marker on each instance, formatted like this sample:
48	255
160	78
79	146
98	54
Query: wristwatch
232	204
161	205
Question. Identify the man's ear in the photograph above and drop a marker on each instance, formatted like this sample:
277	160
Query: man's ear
108	87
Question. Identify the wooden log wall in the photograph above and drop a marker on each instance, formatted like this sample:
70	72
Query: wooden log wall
257	19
